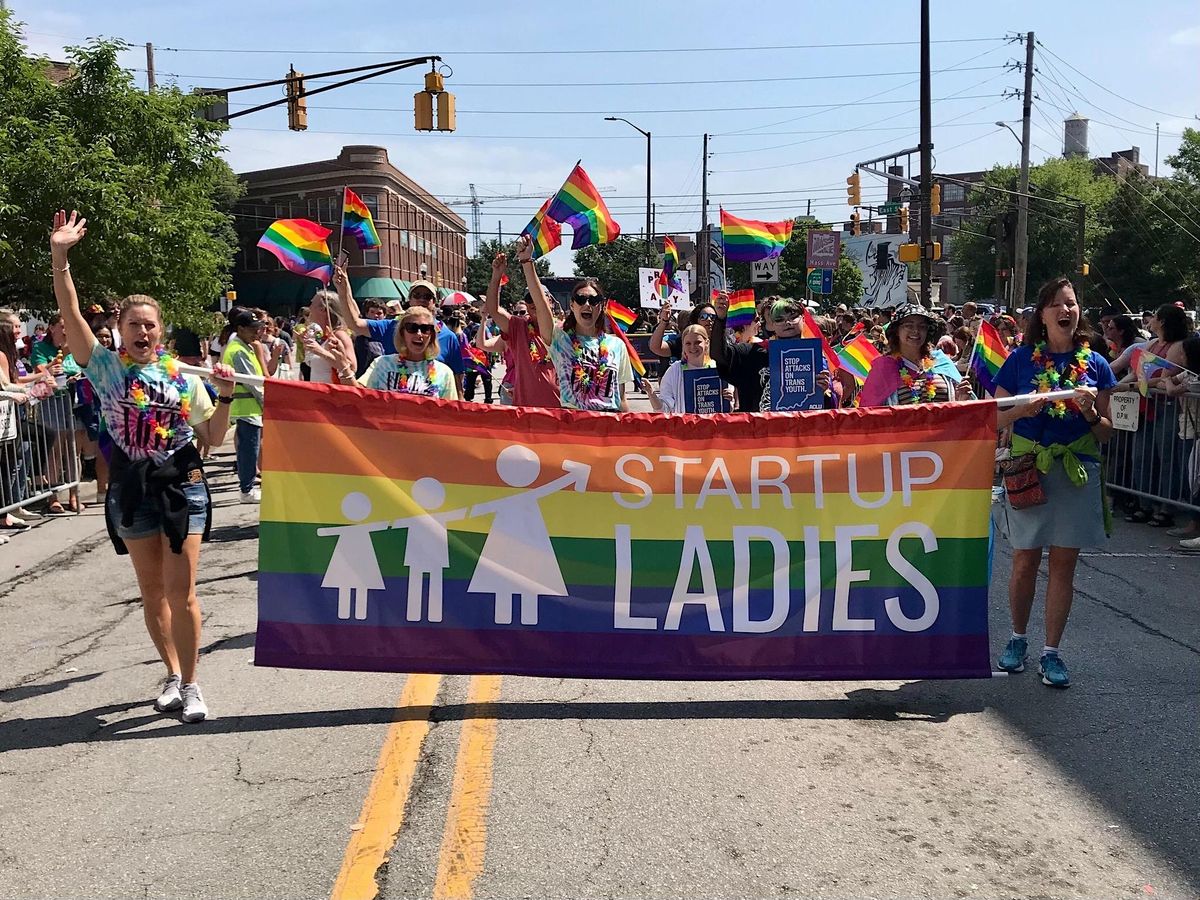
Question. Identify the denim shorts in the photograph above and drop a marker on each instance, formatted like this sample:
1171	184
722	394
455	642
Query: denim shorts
146	518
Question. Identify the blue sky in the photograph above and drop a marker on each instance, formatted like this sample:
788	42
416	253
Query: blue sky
527	114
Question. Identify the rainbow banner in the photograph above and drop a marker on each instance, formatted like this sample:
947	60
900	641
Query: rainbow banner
849	544
988	357
748	240
300	246
742	309
580	205
543	231
357	221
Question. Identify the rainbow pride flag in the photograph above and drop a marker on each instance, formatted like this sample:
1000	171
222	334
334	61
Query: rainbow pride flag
667	282
357	221
543	231
621	314
742	308
300	246
580	205
747	240
635	361
1147	365
989	355
534	542
474	358
857	356
810	329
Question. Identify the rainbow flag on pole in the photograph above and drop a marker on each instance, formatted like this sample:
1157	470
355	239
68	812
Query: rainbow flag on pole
357	221
667	281
857	356
543	231
580	205
742	308
748	240
541	546
621	314
989	355
300	246
1147	365
810	329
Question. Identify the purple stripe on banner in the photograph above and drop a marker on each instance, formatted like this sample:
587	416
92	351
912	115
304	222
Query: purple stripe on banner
300	599
523	651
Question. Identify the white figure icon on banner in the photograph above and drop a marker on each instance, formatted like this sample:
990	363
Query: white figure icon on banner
353	568
517	558
427	550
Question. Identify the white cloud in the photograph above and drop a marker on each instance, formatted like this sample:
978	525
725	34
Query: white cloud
1187	37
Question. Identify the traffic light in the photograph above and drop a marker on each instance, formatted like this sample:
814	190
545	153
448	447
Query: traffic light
904	220
423	104
935	200
907	253
854	191
855	224
297	102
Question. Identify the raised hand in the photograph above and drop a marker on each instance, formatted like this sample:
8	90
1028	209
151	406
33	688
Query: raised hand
67	232
340	279
524	249
499	264
721	304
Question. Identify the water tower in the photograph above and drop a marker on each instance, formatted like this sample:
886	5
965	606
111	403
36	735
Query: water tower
1075	136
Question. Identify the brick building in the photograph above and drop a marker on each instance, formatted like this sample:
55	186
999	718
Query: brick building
421	236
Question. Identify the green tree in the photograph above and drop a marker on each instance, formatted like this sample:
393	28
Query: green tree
479	270
616	266
143	168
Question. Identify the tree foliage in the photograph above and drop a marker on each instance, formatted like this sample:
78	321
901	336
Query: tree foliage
616	266
479	271
143	168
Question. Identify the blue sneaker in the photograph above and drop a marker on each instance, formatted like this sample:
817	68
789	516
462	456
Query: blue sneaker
1014	655
1054	671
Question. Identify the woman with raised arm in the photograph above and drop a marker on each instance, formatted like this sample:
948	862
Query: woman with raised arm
323	337
531	371
158	504
413	369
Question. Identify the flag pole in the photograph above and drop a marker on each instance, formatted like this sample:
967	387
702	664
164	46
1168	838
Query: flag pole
724	277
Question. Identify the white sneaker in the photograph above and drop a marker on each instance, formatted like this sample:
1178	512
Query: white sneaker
170	698
194	707
254	495
1190	544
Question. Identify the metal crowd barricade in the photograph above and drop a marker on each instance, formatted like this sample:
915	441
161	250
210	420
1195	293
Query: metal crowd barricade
1160	460
38	454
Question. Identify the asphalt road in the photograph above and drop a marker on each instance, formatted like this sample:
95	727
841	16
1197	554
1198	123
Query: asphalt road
521	787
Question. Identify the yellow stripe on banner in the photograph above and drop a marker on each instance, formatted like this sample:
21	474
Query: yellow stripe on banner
383	810
300	497
464	841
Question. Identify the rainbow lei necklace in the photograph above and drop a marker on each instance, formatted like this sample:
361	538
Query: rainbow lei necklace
1051	378
137	390
430	373
581	373
926	392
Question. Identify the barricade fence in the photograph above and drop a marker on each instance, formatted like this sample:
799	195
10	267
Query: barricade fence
38	453
1154	453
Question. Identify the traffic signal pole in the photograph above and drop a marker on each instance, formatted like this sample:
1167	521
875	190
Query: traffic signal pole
1021	261
926	164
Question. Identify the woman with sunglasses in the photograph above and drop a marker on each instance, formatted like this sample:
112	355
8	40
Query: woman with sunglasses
592	364
672	348
414	367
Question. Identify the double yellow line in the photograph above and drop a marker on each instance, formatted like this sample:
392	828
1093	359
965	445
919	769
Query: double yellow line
465	838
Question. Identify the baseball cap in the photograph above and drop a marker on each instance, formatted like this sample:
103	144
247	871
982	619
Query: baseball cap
428	285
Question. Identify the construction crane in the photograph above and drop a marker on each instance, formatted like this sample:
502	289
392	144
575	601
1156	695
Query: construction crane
476	224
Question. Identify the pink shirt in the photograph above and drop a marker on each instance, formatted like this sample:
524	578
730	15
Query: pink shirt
533	383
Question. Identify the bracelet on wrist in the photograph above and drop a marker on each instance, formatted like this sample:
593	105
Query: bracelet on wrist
66	268
222	398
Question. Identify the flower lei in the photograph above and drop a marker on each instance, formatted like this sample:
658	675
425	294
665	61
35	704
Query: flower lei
1051	378
137	390
581	373
430	373
537	349
926	392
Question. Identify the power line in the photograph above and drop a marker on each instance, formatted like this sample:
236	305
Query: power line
1109	90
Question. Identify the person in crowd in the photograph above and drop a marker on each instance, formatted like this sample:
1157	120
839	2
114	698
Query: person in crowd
593	366
913	370
14	458
481	334
1064	437
529	367
671	347
97	446
321	334
245	408
1185	385
1121	335
695	356
158	505
748	333
950	344
413	369
367	350
972	317
1006	327
56	414
283	328
188	345
422	293
748	366
277	351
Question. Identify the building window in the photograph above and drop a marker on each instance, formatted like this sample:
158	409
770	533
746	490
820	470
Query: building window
953	193
312	209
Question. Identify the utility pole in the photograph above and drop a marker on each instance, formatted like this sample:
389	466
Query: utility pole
150	82
703	262
1155	149
1021	260
926	164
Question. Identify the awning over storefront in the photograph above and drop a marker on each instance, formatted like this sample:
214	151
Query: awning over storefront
375	288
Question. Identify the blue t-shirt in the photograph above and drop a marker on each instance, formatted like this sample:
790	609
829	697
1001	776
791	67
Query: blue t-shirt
1016	377
449	348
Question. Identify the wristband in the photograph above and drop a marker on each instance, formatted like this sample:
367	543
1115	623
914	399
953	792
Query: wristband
66	268
221	398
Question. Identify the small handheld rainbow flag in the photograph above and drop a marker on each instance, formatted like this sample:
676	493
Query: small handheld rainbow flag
810	329
1143	362
621	314
748	240
635	361
857	356
357	221
742	309
543	231
988	357
667	281
854	332
300	246
475	359
580	205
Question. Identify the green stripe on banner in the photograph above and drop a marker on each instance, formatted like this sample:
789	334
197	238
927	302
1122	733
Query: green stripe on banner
296	548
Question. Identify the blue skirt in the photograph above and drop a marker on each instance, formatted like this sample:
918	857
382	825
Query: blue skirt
1071	516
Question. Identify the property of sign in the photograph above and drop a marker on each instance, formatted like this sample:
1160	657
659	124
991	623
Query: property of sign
1126	411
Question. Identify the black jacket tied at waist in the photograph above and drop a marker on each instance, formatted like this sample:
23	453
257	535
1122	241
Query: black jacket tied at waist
163	485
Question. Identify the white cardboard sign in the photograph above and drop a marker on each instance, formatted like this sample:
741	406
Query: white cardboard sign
648	290
1126	410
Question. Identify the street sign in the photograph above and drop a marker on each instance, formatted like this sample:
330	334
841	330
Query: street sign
1125	411
824	249
820	281
889	209
764	271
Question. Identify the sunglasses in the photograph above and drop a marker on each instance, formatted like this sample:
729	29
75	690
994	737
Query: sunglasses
417	328
420	296
706	317
585	300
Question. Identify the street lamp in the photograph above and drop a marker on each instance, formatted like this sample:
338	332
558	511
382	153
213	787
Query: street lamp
649	234
1010	130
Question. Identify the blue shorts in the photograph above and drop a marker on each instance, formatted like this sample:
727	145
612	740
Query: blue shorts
147	521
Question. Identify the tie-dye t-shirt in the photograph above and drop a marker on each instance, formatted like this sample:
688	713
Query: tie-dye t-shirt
429	378
590	370
143	406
